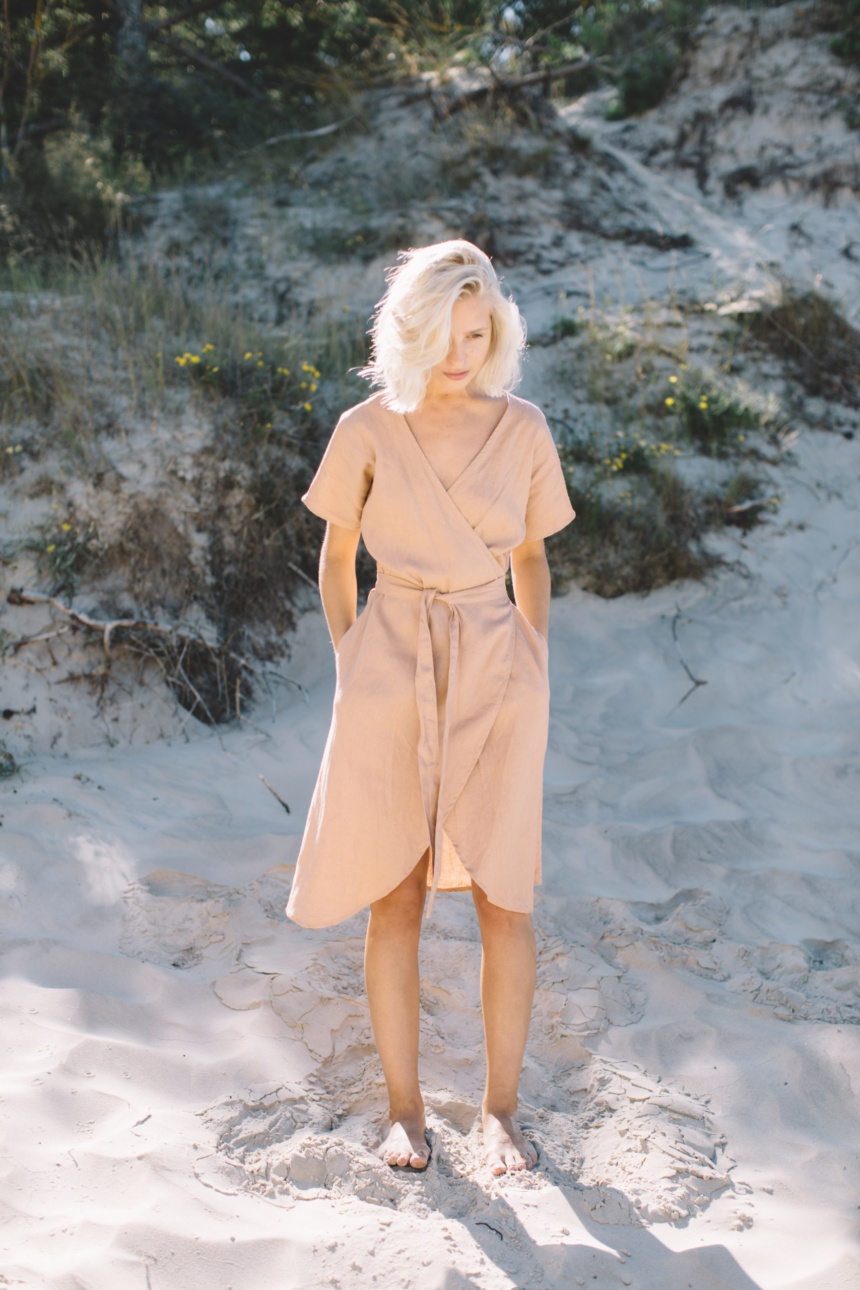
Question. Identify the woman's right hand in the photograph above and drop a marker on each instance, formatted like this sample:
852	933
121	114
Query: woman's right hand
337	580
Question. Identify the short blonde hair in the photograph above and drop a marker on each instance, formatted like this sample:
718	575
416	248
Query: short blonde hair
411	330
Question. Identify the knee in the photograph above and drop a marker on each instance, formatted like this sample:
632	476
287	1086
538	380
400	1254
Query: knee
404	906
495	919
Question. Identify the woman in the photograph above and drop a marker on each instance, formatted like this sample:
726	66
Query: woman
432	773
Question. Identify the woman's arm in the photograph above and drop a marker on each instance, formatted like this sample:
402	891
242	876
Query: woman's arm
530	576
338	585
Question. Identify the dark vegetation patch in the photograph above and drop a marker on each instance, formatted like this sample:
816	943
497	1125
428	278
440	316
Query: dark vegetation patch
820	348
153	561
618	545
651	532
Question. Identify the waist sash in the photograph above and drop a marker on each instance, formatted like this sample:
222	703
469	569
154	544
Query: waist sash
433	745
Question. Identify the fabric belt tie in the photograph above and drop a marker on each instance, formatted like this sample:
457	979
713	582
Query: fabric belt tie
433	747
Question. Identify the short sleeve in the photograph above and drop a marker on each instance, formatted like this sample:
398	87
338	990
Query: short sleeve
548	508
339	488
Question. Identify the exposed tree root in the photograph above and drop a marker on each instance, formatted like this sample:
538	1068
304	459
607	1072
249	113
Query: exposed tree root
209	681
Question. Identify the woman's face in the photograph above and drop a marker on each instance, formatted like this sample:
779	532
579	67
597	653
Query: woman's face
471	339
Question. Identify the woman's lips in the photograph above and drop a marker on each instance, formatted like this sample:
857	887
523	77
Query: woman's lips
456	376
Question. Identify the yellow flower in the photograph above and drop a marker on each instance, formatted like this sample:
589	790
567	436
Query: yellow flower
216	369
673	380
248	354
703	404
742	438
207	348
195	358
67	528
313	389
260	363
181	360
307	407
669	402
52	547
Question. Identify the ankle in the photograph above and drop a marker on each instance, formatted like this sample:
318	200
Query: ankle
501	1108
406	1110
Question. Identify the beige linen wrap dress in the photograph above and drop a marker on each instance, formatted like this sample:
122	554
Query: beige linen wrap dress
441	705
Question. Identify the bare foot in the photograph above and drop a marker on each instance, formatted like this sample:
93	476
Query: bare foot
405	1143
507	1150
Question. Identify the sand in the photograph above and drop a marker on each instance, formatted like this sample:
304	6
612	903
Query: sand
191	1097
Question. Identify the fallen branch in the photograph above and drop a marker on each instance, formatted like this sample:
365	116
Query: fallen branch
447	107
749	506
319	133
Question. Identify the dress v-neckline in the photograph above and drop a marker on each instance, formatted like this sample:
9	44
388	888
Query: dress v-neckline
478	455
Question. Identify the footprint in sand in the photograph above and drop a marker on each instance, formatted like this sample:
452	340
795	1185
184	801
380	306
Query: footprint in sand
813	981
176	919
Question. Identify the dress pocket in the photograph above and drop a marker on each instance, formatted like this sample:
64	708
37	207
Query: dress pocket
542	642
354	629
345	637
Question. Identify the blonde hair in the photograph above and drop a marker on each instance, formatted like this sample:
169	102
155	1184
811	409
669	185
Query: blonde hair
411	330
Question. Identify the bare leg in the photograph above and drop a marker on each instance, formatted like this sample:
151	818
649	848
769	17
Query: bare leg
391	976
507	992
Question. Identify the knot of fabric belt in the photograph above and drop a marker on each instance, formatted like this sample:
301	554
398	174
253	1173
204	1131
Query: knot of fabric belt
433	750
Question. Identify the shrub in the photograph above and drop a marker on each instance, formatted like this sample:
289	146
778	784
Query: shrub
644	81
821	347
707	414
68	196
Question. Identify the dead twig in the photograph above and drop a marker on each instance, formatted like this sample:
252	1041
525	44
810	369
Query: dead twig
276	795
695	680
41	636
300	573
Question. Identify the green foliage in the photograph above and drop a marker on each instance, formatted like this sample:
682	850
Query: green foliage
66	551
847	21
263	388
67	196
644	81
564	327
707	413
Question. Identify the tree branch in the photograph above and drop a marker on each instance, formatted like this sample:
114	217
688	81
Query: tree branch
209	65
